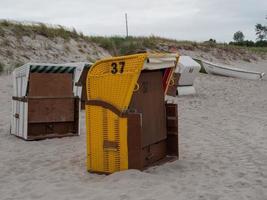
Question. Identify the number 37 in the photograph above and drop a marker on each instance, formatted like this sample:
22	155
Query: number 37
114	67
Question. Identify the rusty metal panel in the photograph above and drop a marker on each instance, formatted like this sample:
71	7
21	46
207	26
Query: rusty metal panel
149	100
51	110
50	84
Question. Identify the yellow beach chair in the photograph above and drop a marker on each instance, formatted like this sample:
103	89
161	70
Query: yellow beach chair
110	85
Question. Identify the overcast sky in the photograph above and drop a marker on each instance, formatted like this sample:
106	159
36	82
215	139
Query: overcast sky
180	19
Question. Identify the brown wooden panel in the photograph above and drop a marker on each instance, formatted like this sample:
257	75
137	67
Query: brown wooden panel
110	144
134	137
38	131
172	119
172	130
173	145
171	110
172	125
50	84
172	122
154	153
51	110
149	100
106	105
82	82
76	115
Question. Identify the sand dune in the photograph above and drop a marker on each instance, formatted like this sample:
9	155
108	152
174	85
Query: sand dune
223	146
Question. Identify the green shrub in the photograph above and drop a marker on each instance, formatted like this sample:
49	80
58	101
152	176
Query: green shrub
18	64
9	53
2	66
118	45
5	23
5	42
2	32
90	59
249	43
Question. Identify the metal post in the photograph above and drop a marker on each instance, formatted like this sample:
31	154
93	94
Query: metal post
126	21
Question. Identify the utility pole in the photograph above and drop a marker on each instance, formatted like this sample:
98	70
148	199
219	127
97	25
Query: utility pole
126	21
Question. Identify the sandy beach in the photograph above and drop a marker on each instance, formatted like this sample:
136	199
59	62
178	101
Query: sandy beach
223	149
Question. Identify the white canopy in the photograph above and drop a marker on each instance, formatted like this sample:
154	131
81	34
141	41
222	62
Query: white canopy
187	62
188	70
160	61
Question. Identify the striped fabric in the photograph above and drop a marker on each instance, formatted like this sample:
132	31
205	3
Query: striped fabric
53	68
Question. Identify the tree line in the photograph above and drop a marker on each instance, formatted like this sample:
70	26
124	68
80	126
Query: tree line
261	37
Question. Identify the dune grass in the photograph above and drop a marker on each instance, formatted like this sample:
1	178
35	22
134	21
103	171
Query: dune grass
31	29
118	45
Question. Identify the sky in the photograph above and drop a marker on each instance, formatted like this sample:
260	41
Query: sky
196	20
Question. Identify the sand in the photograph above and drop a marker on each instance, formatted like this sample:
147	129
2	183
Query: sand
223	148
